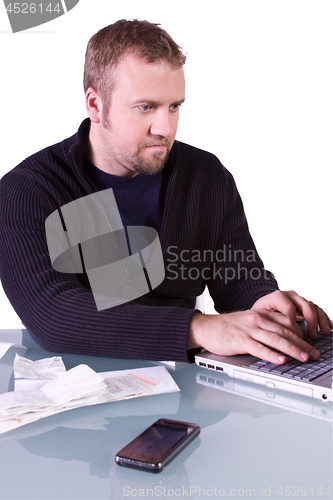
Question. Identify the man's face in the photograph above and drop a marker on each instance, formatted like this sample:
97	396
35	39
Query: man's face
138	130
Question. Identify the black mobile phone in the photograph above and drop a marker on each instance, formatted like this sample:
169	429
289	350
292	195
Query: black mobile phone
154	448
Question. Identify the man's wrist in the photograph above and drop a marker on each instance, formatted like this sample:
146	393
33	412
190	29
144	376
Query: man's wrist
194	331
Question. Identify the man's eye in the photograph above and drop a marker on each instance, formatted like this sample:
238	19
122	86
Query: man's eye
144	107
175	107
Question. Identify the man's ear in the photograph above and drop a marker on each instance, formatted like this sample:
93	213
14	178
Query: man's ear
94	105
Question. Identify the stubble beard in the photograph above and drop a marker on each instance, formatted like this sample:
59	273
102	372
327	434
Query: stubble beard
152	165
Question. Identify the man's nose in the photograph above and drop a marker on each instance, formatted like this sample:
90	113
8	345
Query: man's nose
162	123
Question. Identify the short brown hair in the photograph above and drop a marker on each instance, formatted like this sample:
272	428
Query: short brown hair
108	46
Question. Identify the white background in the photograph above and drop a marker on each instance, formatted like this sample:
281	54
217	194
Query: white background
259	96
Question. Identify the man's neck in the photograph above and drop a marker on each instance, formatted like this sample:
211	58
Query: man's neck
94	151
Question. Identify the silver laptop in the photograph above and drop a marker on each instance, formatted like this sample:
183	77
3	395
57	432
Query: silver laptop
312	379
279	399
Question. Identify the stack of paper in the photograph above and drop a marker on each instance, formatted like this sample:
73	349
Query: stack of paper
80	386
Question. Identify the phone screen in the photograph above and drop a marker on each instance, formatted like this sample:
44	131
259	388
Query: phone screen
154	443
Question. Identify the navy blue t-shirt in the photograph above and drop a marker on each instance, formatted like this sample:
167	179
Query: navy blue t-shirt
138	198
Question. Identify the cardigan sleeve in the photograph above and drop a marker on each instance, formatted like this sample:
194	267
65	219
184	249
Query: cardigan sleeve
238	276
58	309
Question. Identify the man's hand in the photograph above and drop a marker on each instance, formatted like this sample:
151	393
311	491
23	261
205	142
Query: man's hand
297	308
271	323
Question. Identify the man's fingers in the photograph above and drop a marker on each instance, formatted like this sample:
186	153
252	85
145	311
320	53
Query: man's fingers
308	311
325	324
296	307
313	315
276	322
290	345
278	332
262	351
278	301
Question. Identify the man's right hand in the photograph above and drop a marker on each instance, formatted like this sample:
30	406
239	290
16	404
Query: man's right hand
255	332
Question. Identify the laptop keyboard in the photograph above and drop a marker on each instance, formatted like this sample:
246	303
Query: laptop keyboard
303	371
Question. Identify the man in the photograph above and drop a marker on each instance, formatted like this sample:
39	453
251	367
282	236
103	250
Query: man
134	87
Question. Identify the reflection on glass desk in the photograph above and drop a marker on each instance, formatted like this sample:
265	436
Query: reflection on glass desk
252	444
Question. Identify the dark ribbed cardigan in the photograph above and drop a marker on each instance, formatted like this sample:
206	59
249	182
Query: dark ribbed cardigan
204	238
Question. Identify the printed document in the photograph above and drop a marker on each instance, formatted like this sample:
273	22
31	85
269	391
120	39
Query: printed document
52	390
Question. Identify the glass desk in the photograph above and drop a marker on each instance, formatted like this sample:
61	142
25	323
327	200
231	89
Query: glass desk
252	444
